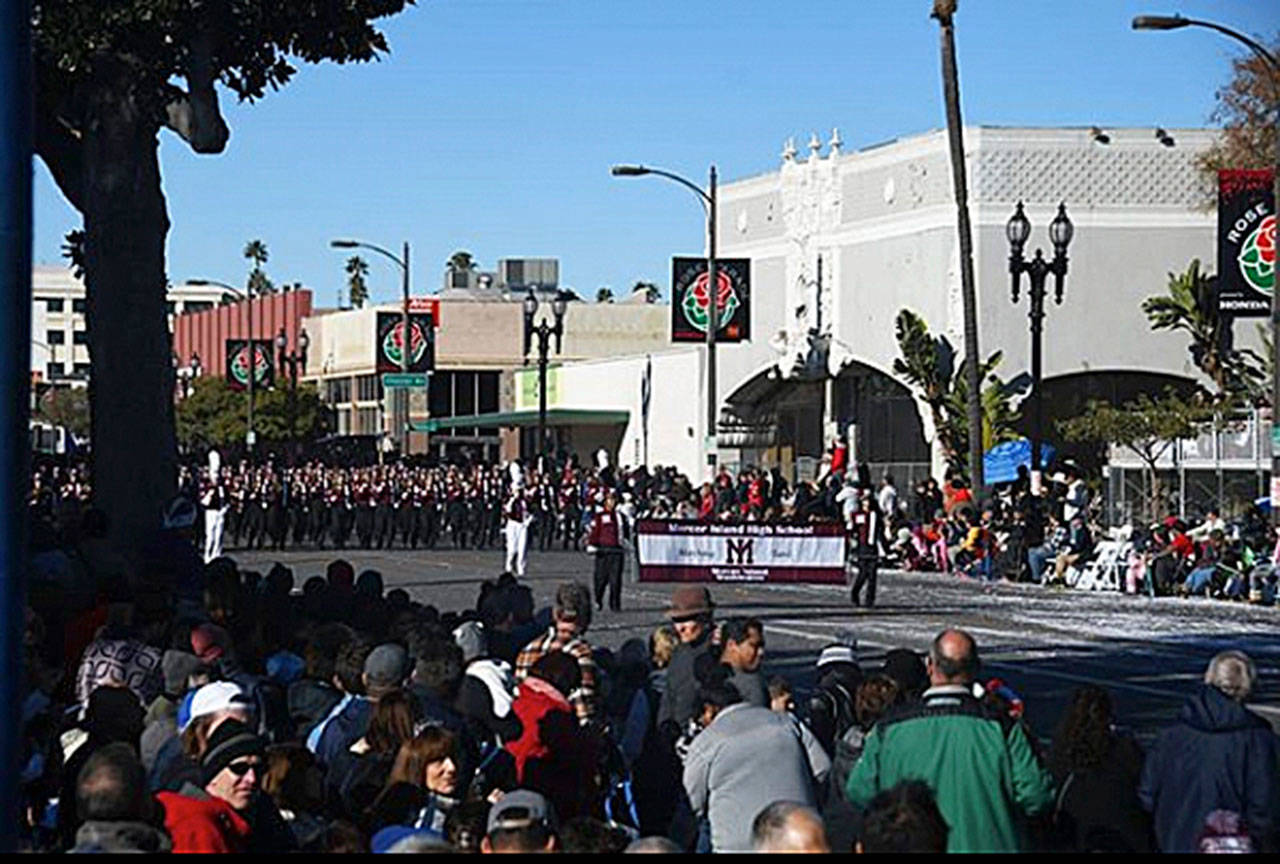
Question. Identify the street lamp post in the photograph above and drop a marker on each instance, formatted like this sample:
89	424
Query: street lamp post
544	332
187	374
401	397
708	199
246	295
1175	22
1018	230
291	362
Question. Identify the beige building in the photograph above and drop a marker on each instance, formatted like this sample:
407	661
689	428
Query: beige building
471	403
59	334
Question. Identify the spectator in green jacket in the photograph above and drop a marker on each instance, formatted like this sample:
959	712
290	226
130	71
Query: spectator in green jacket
978	763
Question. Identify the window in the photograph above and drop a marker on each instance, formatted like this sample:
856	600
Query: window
55	337
53	304
344	420
367	421
55	370
464	393
337	390
79	337
440	396
196	306
79	305
80	370
368	388
487	397
459	278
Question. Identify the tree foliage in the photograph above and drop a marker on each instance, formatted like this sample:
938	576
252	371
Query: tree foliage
604	294
930	365
461	261
1146	427
651	291
1245	107
67	407
357	286
1191	306
215	415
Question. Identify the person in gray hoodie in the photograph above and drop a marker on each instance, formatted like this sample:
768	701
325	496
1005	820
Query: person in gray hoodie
745	758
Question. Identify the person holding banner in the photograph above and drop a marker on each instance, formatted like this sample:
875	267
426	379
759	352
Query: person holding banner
605	540
866	529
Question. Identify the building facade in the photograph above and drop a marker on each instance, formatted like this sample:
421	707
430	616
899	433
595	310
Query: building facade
840	242
59	330
470	405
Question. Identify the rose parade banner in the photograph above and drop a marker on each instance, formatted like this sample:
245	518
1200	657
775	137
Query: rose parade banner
238	364
1246	243
390	338
691	304
680	551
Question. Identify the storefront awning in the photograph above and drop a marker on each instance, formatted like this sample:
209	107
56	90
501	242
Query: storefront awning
555	417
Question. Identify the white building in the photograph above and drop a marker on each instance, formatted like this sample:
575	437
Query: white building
840	242
59	340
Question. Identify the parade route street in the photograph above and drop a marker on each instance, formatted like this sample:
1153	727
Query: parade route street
1042	642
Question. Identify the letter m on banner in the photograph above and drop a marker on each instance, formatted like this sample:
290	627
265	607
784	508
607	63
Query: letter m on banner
740	552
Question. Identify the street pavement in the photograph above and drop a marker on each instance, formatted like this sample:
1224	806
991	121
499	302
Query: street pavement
1044	643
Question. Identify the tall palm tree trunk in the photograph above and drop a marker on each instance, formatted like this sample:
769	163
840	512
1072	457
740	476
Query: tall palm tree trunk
943	10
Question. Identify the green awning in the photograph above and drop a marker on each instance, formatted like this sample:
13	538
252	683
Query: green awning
555	417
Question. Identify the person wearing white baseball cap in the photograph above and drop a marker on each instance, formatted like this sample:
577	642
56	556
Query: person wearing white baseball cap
178	760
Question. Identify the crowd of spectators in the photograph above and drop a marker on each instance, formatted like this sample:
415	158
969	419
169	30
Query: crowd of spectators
177	705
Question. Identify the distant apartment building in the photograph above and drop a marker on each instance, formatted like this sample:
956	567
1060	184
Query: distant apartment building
59	334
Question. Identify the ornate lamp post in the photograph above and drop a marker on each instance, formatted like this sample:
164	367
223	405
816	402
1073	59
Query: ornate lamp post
291	362
544	332
1018	230
708	200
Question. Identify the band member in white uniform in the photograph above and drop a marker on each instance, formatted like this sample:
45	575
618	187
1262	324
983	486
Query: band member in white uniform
516	516
213	498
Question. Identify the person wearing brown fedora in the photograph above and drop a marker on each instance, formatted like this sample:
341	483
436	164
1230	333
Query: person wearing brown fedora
691	616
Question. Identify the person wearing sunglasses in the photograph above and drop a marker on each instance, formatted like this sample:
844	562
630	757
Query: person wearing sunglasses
217	818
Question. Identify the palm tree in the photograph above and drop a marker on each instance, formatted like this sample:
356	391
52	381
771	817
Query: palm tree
461	261
944	12
927	363
358	289
1191	306
256	251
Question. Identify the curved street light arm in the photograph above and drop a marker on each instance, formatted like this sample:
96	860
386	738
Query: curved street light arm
371	247
688	184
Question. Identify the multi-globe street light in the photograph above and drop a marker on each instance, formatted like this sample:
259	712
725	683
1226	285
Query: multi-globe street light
401	395
1018	231
708	199
544	332
1177	22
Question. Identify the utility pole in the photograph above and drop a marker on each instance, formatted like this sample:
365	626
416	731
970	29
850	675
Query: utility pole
943	11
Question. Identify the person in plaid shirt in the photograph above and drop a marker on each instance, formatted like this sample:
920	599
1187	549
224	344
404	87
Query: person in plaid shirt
572	617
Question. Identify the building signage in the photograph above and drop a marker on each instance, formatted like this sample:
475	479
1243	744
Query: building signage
679	551
1246	243
691	299
238	364
390	340
527	388
426	306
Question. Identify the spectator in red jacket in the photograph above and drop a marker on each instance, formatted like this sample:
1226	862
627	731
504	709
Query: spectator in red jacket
213	819
554	755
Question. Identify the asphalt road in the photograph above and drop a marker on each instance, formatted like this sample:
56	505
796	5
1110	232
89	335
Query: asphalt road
1042	642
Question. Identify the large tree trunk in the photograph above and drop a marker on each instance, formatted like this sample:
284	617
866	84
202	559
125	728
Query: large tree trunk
134	453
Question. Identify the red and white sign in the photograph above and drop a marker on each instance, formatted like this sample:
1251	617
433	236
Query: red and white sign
426	306
676	551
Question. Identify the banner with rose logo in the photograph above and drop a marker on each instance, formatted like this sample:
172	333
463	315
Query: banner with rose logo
1246	243
238	364
390	338
691	304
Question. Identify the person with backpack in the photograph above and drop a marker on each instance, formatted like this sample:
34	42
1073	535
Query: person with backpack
831	708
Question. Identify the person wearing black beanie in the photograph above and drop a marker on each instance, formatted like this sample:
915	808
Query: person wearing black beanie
232	765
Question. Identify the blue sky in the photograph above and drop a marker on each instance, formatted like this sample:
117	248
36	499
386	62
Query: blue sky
491	125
